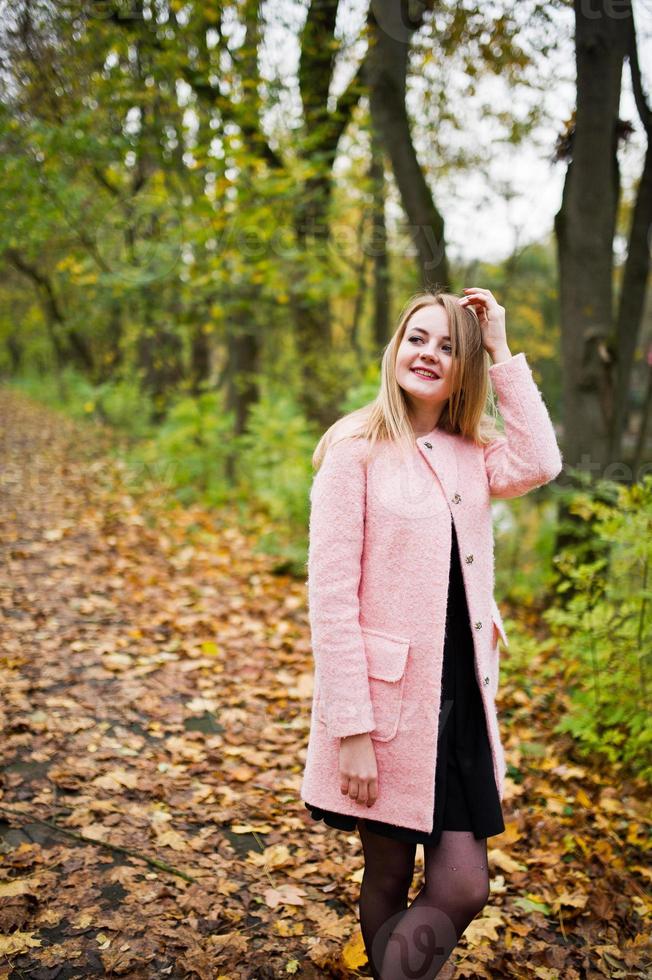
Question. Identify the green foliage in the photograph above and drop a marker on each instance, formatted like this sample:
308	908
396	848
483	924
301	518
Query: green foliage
189	449
525	532
119	402
604	629
365	392
70	390
275	470
123	403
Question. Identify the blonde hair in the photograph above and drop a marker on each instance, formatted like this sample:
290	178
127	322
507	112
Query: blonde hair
469	411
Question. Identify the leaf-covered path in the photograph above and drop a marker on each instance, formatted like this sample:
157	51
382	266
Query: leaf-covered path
156	680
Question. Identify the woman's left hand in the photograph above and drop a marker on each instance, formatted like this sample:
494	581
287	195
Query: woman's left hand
492	320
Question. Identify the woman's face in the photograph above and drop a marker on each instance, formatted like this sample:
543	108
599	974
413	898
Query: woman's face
426	347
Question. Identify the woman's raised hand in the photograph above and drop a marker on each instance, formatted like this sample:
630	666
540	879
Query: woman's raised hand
491	317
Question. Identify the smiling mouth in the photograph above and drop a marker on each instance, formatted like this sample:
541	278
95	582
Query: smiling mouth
424	373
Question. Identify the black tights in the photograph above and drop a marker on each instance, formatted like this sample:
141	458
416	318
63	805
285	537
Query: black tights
414	943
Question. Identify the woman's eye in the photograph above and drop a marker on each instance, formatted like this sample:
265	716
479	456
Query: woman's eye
447	347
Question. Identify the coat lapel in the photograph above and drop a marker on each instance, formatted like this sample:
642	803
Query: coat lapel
439	450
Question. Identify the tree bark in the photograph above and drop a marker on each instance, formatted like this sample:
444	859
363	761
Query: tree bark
381	317
585	227
636	273
67	343
391	26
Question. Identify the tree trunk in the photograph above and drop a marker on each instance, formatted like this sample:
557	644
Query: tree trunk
200	358
636	275
241	370
381	318
585	227
67	343
391	26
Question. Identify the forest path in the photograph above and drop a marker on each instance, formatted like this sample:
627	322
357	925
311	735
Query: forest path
149	669
156	680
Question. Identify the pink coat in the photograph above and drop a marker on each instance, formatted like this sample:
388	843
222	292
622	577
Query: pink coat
378	566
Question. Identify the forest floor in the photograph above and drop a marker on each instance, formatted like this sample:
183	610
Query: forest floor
156	682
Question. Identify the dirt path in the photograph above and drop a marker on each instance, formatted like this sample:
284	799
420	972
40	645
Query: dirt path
156	681
149	670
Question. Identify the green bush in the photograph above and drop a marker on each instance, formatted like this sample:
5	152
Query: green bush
604	626
118	402
188	451
525	532
275	471
68	390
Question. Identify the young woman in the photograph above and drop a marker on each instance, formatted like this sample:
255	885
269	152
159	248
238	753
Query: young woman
404	740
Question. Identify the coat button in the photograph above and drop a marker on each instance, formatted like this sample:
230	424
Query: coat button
457	499
486	680
468	559
478	625
428	444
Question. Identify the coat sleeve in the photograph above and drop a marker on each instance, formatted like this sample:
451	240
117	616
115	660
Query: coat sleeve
337	517
527	455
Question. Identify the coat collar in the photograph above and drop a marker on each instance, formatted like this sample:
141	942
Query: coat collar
440	450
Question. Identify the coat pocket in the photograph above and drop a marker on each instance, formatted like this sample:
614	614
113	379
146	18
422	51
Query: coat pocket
386	656
386	663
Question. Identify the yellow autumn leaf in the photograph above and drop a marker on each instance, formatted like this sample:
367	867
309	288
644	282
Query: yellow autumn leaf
354	954
95	831
17	942
288	927
635	835
330	924
274	856
586	848
170	838
642	906
611	805
116	779
82	921
9	889
646	872
499	859
251	828
583	799
576	899
511	832
483	928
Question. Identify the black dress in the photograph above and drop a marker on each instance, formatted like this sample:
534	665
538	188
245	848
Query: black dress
466	797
